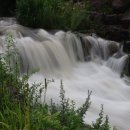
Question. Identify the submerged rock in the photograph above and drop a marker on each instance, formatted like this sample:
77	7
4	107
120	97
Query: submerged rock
86	45
113	48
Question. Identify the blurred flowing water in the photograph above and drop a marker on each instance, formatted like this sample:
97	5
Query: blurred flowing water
82	62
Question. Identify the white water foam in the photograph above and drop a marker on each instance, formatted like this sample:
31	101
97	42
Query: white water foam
60	56
107	89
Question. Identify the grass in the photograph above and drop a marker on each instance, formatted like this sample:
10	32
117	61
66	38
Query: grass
59	14
51	14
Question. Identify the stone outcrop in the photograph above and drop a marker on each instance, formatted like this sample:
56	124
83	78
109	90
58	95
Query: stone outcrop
116	33
112	19
120	6
126	46
7	8
115	20
125	20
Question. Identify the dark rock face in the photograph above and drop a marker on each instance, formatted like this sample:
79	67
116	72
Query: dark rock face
125	21
113	48
117	33
115	23
117	4
7	8
100	4
86	47
95	16
96	4
120	6
112	19
126	47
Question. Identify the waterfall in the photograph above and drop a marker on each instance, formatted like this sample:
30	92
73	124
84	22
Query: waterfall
83	62
117	64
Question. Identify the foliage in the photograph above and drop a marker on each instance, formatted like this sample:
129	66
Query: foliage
60	14
40	13
51	14
21	107
106	7
99	122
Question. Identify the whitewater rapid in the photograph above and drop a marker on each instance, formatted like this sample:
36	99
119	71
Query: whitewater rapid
82	62
107	89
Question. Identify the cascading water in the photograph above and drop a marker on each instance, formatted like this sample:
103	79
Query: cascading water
62	56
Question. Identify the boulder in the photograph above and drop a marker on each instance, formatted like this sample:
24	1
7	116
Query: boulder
113	47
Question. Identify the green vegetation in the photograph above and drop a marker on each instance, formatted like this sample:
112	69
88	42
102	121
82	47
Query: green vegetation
21	106
53	14
60	14
39	13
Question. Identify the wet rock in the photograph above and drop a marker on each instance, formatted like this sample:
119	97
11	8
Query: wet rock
86	45
113	47
96	4
120	5
117	4
125	21
96	16
126	46
111	19
114	25
127	67
117	33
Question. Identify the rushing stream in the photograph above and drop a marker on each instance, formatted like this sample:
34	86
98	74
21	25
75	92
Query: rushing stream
82	62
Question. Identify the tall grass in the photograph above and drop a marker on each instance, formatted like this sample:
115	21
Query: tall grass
52	14
40	13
